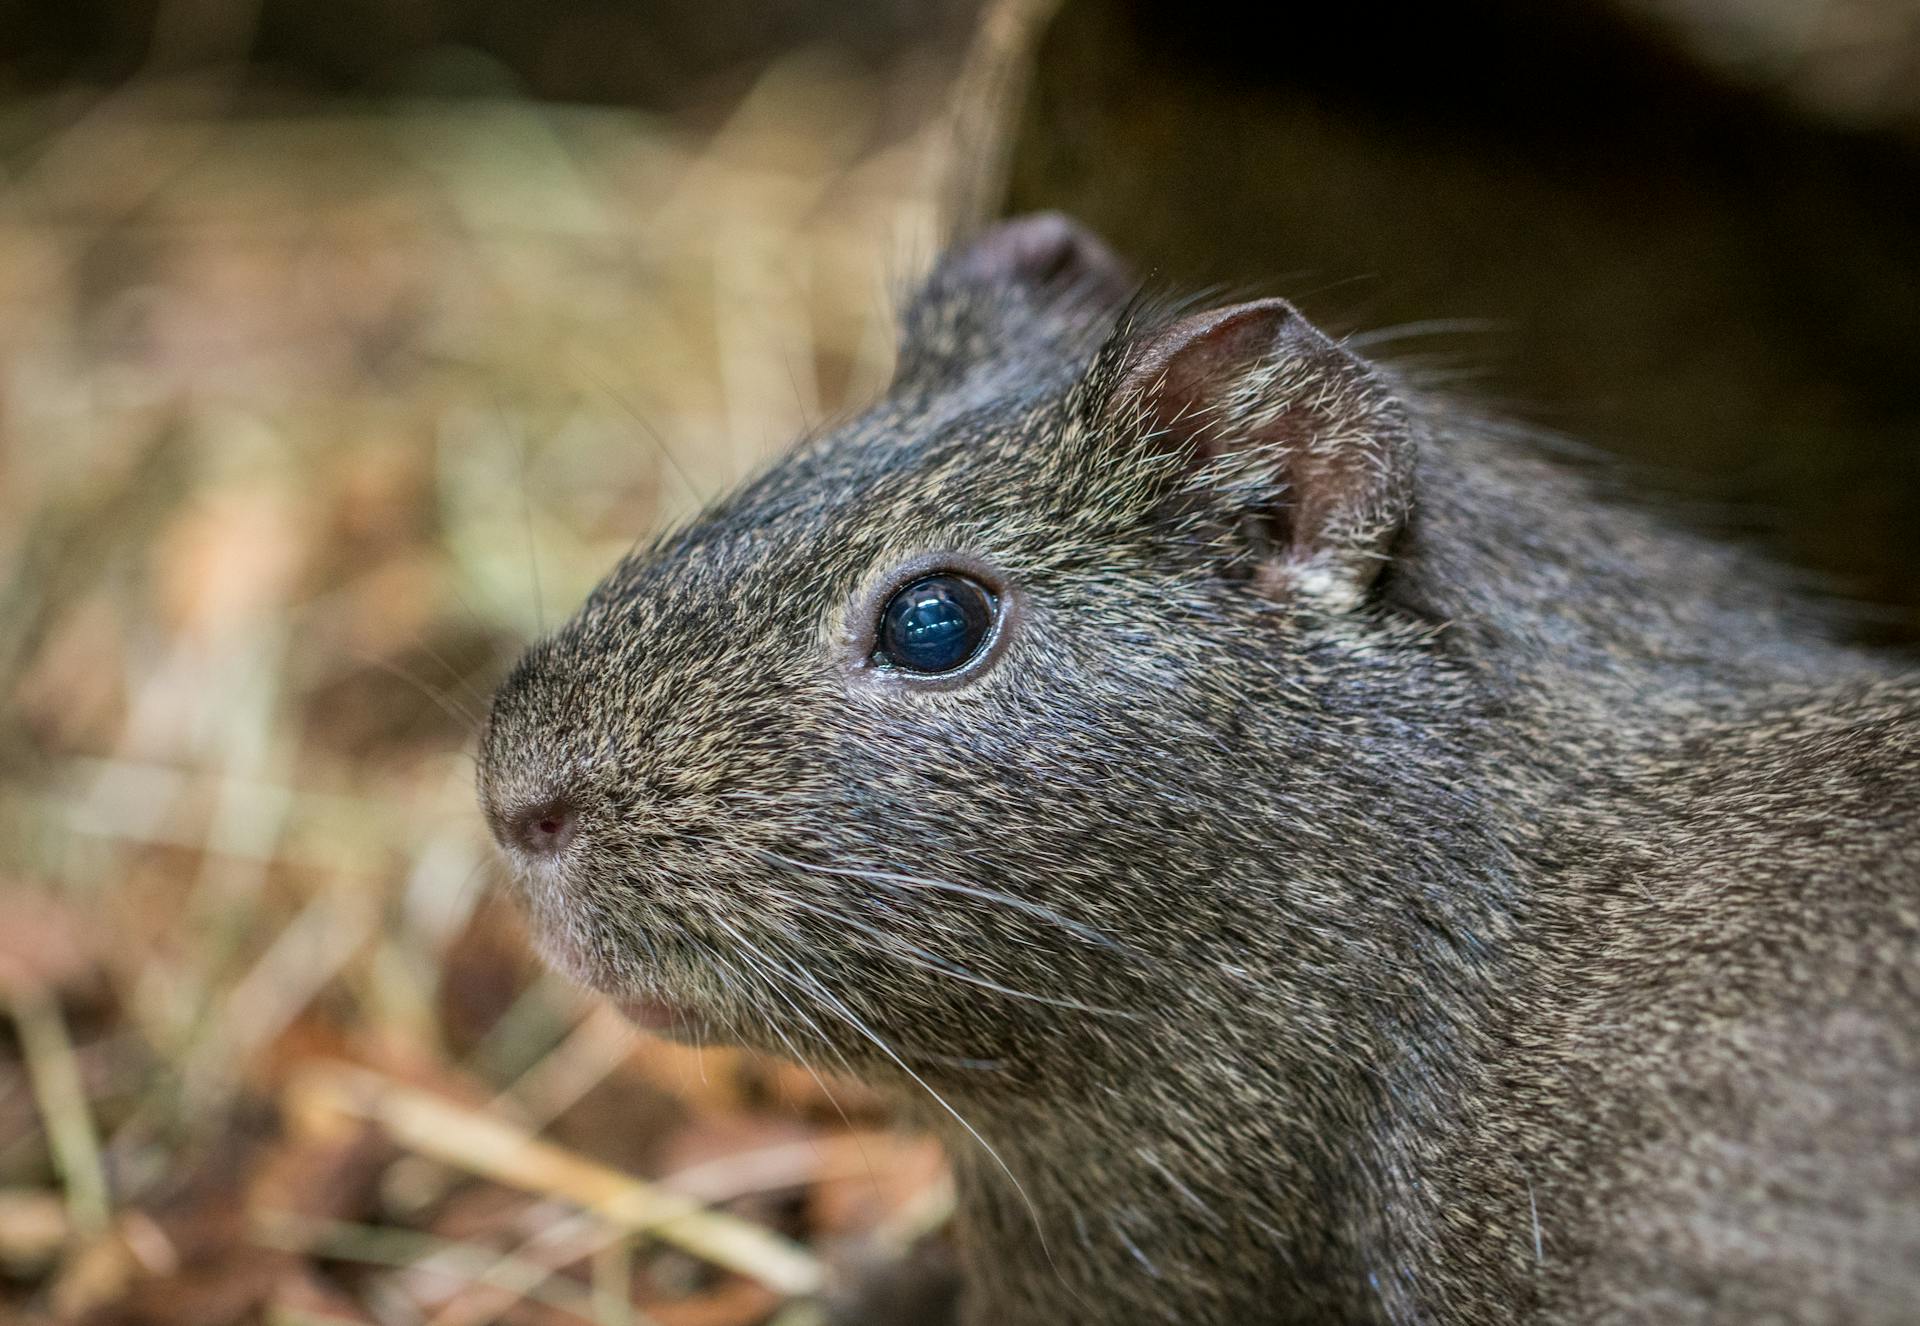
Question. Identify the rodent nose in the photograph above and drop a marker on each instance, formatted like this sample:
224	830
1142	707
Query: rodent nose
540	828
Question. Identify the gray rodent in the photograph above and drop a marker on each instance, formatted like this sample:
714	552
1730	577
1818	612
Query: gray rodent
1357	869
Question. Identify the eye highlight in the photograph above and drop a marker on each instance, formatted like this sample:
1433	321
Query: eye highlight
936	624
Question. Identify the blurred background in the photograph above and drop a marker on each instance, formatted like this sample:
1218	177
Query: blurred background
343	346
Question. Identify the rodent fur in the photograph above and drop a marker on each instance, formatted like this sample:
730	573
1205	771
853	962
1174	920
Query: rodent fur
1504	909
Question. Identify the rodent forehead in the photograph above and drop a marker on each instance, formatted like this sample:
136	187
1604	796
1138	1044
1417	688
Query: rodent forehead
718	632
841	514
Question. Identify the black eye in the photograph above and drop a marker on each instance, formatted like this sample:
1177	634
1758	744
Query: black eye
935	624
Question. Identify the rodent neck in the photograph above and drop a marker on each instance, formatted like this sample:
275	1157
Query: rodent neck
1260	1155
1208	1192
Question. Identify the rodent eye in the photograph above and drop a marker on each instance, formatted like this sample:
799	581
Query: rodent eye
934	625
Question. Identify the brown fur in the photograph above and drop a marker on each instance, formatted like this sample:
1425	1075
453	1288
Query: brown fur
1474	902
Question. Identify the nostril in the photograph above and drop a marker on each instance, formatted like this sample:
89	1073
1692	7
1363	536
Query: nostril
543	828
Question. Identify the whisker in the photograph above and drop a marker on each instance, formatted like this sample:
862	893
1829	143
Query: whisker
834	1005
448	705
730	984
793	1050
526	515
699	496
460	679
911	882
1407	331
899	947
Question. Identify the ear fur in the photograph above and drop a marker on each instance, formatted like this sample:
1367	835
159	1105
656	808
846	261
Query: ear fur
1266	412
1040	283
1044	253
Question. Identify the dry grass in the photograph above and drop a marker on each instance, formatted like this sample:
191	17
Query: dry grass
307	422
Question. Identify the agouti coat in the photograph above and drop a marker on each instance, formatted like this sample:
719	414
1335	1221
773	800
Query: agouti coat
1313	855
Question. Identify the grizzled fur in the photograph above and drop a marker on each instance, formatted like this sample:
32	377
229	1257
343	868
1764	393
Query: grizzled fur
1526	930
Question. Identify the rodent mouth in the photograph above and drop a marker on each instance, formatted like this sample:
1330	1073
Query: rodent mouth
661	1018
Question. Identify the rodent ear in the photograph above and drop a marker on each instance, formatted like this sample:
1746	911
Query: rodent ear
1047	253
1032	290
1303	437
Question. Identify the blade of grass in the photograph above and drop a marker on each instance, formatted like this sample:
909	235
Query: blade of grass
599	1044
510	1155
523	1269
613	1283
407	1249
324	937
62	1098
789	1165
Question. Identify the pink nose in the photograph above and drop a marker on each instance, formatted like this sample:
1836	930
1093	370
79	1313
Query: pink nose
540	829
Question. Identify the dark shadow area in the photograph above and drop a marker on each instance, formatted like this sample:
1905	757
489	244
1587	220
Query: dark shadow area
664	54
1696	276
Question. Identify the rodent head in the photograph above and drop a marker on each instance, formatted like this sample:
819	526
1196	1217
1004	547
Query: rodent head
963	733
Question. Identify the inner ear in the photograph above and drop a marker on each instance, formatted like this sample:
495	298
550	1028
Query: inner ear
1269	416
